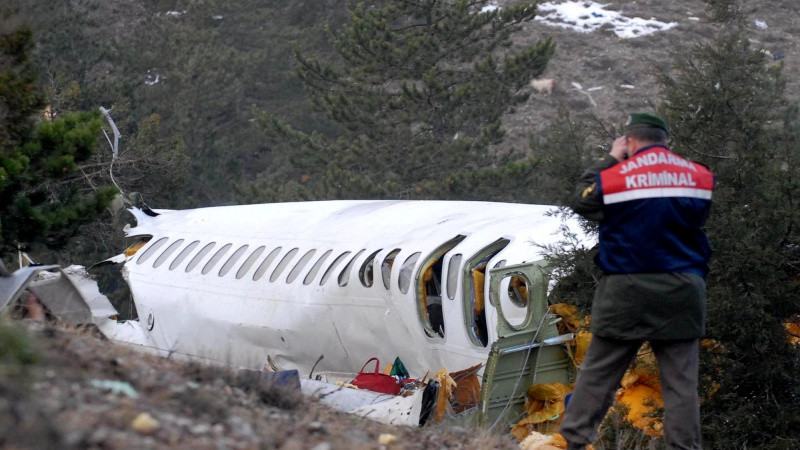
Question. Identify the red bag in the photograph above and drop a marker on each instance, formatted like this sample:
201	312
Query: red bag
376	382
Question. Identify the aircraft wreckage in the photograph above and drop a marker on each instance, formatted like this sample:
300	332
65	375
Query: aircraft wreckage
323	287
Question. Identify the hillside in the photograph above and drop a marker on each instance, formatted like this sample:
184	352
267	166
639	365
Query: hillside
604	76
202	67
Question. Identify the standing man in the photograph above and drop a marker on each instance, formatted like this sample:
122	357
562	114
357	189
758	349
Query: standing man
651	205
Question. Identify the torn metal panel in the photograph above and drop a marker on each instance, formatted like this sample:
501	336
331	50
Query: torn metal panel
11	286
72	296
526	354
384	408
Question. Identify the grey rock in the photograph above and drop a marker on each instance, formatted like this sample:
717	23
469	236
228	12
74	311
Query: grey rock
322	446
317	427
200	428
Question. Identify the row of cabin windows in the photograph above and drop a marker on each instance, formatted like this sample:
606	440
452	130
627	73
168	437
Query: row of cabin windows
430	306
365	274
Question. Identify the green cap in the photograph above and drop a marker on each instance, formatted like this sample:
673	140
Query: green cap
648	119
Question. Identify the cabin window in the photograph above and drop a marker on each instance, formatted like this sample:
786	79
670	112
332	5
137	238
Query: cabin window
315	268
452	275
232	260
429	289
216	258
344	276
167	253
287	258
404	279
199	256
367	271
136	246
248	263
300	265
332	267
518	291
151	250
262	269
386	267
183	254
474	292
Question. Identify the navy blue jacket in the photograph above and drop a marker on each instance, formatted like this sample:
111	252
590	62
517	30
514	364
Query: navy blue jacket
653	251
651	210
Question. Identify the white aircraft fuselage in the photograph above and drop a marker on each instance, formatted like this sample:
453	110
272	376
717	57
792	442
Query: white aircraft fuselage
345	279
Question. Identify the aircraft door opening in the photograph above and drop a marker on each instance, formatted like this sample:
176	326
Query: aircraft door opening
474	292
429	289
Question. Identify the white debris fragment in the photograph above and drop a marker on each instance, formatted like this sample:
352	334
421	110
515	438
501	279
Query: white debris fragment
761	24
627	86
174	13
694	19
585	17
491	7
595	88
217	17
577	86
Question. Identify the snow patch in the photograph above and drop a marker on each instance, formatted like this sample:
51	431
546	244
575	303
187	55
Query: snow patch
585	17
152	78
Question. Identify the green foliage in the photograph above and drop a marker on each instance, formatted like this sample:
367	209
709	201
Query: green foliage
726	106
19	98
152	170
418	90
213	61
618	432
17	350
40	200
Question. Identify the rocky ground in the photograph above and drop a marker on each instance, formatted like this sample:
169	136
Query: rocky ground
86	392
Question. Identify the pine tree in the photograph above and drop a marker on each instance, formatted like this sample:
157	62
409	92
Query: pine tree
40	200
417	94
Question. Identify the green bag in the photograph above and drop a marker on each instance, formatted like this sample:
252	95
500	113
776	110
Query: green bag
399	369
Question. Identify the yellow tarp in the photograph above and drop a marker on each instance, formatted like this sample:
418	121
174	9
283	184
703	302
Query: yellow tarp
478	277
519	286
427	275
571	322
446	386
570	317
641	394
582	340
543	403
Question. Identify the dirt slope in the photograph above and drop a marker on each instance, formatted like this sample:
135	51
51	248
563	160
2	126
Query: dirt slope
81	395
